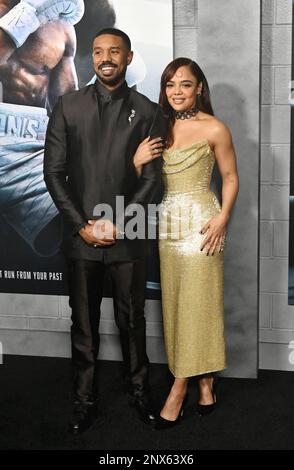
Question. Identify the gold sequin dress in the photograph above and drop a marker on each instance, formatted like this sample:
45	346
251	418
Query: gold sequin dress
191	281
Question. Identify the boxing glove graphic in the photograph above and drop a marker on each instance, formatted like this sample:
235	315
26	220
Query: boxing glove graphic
27	16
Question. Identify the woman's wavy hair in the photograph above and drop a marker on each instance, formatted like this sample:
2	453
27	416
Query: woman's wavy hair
203	101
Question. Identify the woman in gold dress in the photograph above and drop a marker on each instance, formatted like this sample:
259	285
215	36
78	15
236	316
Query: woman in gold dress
192	230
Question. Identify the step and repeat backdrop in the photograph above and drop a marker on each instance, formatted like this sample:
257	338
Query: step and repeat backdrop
224	37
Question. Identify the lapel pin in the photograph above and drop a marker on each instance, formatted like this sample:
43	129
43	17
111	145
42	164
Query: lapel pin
131	116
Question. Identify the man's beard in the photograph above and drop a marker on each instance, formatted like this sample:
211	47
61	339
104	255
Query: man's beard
115	80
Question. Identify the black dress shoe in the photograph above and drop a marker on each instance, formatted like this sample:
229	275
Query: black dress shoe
144	407
83	416
162	423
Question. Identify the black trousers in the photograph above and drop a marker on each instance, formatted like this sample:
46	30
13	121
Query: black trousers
86	280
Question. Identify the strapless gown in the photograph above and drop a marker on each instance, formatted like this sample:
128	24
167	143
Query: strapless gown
191	282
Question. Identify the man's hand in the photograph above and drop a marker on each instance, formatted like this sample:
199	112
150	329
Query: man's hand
99	232
103	228
27	16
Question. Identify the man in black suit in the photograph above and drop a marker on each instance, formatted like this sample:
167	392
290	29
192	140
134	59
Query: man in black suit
92	137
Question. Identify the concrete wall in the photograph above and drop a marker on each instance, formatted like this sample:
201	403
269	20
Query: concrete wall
276	316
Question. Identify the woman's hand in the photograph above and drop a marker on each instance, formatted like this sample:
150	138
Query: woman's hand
215	230
147	151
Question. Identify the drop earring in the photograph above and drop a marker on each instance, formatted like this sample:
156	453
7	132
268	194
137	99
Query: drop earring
198	99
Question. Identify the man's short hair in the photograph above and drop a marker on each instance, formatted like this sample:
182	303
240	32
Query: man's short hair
116	32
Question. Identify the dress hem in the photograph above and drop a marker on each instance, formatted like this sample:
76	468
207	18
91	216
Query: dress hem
176	376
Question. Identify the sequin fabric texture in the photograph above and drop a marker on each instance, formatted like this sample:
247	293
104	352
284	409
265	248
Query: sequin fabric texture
191	282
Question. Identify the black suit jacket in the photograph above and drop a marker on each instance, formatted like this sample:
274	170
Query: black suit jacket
79	174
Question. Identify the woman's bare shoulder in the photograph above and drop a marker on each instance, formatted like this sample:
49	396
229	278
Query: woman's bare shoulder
216	127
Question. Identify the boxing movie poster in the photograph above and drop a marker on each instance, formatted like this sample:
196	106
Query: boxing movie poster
40	61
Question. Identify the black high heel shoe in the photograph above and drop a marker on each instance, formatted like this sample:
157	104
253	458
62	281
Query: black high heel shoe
162	423
204	410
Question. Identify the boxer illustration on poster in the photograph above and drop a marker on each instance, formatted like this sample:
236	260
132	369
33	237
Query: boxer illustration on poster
33	73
